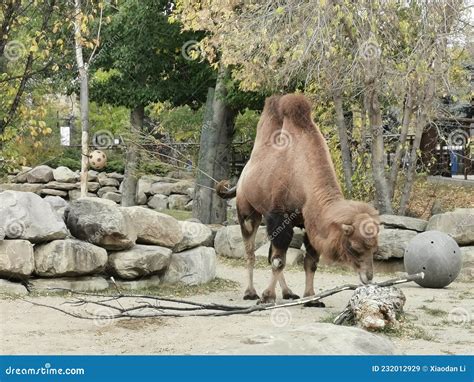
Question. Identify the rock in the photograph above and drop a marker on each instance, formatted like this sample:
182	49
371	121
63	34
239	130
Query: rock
182	187
189	206
22	187
294	256
392	243
139	261
65	175
143	188
78	284
106	189
195	234
161	188
21	176
191	267
11	288
53	192
458	224
177	202
101	222
158	202
24	215
40	174
115	175
58	204
190	192
151	282
140	199
113	196
105	181
467	270
282	338
153	227
16	259
405	222
229	243
92	176
62	186
91	186
69	258
76	194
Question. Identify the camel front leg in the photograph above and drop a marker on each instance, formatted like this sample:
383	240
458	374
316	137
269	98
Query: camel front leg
285	289
311	260
249	227
277	261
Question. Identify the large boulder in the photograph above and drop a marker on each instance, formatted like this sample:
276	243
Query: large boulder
195	234
104	190
78	284
153	227
228	241
393	242
16	259
139	261
106	181
405	222
102	223
113	196
318	338
58	204
177	201
458	224
40	174
61	186
158	202
24	215
182	187
191	267
162	188
21	176
21	187
69	258
64	174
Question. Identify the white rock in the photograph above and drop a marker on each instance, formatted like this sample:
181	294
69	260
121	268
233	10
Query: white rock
16	259
11	288
405	222
195	234
228	241
177	202
194	266
458	224
40	174
158	202
161	188
393	242
64	174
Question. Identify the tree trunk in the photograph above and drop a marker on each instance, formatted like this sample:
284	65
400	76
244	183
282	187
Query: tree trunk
129	186
83	97
382	195
401	146
215	148
422	120
343	142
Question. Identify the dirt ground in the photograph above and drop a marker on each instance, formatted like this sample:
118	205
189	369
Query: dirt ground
436	321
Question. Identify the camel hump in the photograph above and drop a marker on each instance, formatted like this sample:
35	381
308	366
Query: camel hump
297	108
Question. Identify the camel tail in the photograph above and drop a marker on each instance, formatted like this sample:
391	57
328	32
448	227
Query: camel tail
296	108
224	190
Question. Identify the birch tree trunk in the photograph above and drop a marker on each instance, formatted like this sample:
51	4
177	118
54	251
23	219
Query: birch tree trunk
129	187
343	142
83	97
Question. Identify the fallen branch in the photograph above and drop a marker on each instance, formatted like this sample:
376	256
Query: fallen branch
151	306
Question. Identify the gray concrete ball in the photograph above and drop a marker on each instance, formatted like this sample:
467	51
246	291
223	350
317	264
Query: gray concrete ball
437	255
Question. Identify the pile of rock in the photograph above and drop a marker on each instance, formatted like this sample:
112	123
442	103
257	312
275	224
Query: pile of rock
92	239
158	193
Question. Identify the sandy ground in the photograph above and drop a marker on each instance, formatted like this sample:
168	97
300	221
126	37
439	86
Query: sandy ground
437	322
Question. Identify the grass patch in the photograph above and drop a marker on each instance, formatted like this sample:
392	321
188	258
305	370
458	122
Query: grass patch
407	330
434	311
329	319
178	214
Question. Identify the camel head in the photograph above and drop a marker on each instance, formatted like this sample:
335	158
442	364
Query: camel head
359	242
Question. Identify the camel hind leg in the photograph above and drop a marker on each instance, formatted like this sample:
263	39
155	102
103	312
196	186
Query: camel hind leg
280	231
249	221
311	260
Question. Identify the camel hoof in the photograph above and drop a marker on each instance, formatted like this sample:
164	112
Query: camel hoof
315	304
251	297
290	296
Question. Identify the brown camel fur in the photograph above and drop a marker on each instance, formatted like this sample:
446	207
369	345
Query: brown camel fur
291	181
